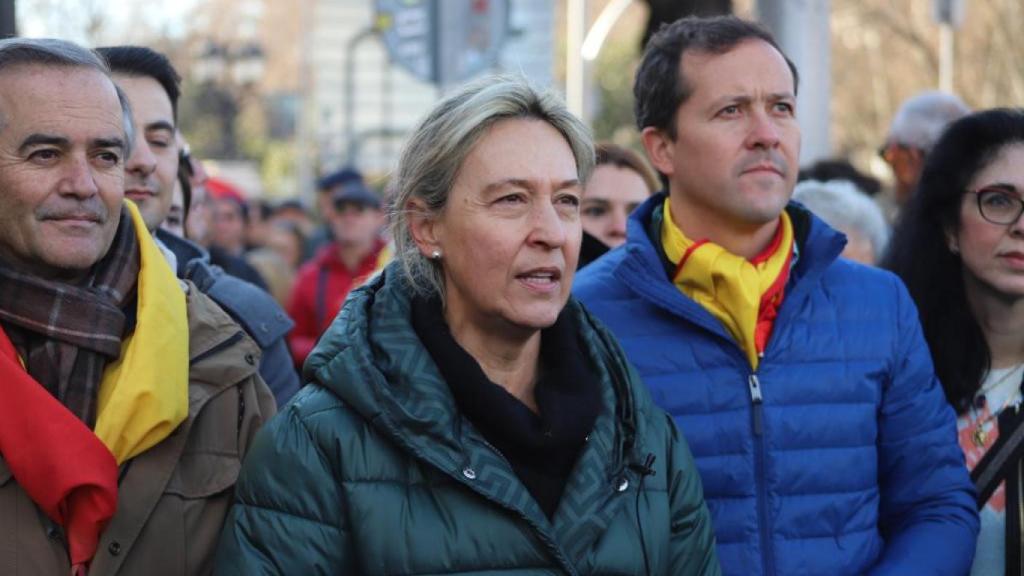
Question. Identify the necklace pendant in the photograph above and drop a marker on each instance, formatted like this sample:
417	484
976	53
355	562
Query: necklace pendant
980	435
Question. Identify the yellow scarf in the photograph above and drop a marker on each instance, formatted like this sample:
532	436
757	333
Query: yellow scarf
143	396
743	295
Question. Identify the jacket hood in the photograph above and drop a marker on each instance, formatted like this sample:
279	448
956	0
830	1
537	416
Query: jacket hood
372	359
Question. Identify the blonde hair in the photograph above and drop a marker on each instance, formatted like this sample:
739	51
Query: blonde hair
440	144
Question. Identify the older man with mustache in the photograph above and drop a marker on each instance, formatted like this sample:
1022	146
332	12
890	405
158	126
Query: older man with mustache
801	381
128	397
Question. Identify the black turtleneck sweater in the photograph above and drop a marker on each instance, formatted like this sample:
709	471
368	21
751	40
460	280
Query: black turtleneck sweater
541	448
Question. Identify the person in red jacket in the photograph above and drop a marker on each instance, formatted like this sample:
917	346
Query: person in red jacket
357	251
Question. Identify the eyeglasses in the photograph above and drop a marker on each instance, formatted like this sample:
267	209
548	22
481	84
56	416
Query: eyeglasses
999	205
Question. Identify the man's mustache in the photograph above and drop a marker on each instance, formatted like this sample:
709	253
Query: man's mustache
768	158
91	209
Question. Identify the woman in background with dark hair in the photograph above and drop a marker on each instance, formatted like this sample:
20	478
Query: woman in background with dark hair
621	181
959	247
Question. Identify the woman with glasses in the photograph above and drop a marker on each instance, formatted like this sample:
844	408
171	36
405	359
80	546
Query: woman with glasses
959	247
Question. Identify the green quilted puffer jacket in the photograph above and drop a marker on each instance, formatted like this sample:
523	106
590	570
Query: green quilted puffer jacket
371	470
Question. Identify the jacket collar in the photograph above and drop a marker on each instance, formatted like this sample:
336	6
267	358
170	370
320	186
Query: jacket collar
642	267
184	250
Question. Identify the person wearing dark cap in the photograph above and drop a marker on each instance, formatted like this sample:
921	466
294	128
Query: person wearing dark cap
355	253
326	187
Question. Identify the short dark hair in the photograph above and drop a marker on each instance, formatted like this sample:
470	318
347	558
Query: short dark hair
919	252
142	61
660	88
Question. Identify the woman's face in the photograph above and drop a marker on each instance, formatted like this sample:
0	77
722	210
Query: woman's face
993	254
510	232
286	244
612	193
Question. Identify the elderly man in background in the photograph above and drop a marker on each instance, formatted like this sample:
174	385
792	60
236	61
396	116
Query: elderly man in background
845	207
150	83
129	397
915	128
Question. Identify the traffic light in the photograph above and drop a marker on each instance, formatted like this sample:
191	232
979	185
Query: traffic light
665	11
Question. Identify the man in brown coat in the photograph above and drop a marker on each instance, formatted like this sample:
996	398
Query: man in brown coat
128	397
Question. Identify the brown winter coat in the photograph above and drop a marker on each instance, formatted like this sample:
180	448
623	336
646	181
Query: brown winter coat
173	498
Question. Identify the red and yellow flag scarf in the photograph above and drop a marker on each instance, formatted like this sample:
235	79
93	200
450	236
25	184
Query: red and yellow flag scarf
744	295
69	471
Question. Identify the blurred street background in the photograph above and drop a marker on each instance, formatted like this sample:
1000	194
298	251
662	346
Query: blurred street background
276	93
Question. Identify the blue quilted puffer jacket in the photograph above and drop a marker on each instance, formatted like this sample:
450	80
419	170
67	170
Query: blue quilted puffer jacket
839	454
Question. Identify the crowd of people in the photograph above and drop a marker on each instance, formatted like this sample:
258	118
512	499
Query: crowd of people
530	354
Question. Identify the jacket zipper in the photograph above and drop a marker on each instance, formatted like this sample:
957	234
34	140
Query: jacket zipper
757	414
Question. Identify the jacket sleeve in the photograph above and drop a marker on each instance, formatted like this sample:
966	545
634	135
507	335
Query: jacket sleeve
286	516
928	515
691	538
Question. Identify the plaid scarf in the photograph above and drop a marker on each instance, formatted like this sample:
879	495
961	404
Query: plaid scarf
67	334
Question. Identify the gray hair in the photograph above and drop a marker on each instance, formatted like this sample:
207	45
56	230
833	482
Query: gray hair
440	144
842	205
921	119
61	53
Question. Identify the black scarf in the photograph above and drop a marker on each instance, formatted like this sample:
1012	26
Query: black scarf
541	448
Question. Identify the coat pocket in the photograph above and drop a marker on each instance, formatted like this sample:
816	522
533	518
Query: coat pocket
204	474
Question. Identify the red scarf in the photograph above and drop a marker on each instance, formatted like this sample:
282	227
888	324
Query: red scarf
62	466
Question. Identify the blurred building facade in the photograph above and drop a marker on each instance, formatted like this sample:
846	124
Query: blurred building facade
323	63
387	101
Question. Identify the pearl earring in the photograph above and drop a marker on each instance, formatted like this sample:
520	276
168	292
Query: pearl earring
435	255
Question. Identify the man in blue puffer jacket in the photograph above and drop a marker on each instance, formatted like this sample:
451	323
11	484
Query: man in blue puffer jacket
801	381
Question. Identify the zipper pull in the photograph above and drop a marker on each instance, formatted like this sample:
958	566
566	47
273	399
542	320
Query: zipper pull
757	400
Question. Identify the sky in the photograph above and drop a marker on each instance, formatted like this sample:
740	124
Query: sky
121	21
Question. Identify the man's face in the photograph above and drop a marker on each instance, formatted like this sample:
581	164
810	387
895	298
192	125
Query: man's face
152	168
61	169
228	225
906	163
734	161
355	224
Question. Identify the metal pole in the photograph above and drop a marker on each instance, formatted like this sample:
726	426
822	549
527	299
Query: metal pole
304	158
602	26
801	28
575	27
350	90
946	55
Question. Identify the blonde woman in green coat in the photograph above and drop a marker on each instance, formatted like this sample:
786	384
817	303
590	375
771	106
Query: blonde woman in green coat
464	414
